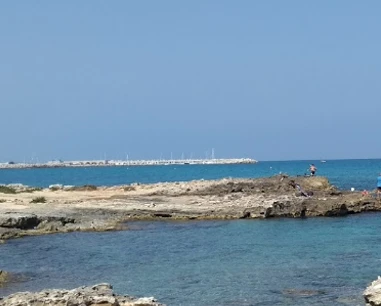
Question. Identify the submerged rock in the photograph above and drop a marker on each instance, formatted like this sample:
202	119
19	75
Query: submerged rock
302	292
101	294
4	277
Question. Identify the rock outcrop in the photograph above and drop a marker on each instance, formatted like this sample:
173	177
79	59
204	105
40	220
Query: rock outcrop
14	225
279	184
98	295
372	294
90	208
32	221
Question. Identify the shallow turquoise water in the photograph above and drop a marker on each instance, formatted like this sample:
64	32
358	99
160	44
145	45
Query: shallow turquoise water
360	174
242	262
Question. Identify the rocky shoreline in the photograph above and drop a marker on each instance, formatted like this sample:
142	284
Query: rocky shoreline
32	211
101	295
90	208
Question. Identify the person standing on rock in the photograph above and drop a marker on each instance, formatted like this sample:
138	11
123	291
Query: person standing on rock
379	187
312	169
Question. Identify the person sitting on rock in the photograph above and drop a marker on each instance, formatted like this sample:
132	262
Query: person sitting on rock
299	188
312	169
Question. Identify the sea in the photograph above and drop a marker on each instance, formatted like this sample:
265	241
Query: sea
345	174
313	261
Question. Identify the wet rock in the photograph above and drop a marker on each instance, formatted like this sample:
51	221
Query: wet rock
341	210
101	295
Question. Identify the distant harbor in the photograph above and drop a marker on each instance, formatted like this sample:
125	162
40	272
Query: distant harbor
110	163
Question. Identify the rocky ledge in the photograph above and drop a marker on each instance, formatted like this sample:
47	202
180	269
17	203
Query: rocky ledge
106	208
98	295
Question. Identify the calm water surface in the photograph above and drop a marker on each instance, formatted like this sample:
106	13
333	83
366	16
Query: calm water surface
242	262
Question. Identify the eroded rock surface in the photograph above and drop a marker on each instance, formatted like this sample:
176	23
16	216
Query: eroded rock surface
98	295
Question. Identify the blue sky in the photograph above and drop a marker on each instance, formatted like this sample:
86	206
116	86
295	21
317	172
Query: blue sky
271	80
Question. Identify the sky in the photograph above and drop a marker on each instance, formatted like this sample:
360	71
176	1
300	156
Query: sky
269	80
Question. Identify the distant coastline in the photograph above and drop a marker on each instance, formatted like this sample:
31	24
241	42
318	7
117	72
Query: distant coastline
113	163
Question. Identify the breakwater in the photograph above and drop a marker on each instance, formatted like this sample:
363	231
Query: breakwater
110	163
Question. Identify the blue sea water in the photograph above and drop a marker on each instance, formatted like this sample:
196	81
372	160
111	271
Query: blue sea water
345	174
242	262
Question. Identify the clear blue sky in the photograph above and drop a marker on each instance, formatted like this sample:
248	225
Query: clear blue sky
271	80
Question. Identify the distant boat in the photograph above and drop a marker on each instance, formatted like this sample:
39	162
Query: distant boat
323	161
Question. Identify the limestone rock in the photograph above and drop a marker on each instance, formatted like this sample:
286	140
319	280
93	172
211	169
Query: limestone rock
101	295
372	294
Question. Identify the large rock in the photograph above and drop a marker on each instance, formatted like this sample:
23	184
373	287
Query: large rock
101	295
372	294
